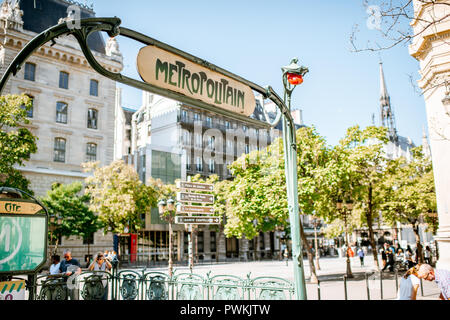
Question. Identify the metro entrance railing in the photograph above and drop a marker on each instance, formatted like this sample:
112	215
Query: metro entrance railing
130	284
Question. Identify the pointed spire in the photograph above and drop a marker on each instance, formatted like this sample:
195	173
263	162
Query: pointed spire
387	114
383	89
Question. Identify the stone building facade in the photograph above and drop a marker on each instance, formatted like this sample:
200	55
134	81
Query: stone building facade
73	112
430	46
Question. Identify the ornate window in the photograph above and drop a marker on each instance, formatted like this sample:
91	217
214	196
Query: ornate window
61	112
91	152
92	119
59	150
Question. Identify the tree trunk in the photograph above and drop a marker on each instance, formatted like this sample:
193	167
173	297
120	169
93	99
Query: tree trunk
312	267
370	226
219	241
418	243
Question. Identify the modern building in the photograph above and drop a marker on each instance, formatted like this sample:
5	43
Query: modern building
430	46
73	112
171	140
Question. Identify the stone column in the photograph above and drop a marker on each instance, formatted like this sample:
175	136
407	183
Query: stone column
243	249
432	49
221	242
207	244
268	253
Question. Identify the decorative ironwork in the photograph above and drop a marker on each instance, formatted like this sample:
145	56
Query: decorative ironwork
53	289
94	287
129	287
189	286
157	289
227	287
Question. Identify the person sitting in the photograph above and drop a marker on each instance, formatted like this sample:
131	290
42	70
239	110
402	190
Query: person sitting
54	267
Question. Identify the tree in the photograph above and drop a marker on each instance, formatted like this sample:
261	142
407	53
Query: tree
16	142
393	20
65	204
118	196
410	194
356	173
257	195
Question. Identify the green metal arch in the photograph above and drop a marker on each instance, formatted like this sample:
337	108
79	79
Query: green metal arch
112	27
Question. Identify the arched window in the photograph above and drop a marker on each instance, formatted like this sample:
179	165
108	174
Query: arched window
61	112
91	152
59	150
92	119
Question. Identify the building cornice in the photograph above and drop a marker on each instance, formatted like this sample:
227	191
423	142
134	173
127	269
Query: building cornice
68	54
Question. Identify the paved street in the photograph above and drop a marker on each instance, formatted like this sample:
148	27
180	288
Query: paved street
330	276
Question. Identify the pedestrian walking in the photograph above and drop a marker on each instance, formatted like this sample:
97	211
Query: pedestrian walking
361	256
101	263
427	255
440	276
390	260
408	257
409	284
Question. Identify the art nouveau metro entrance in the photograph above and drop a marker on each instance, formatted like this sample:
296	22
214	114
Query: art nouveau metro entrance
172	73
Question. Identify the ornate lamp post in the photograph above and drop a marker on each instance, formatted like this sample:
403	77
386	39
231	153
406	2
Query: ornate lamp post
169	208
345	208
293	76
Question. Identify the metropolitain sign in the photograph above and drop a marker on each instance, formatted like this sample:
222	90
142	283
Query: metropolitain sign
166	70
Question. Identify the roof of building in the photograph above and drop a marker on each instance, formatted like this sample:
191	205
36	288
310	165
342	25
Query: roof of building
39	15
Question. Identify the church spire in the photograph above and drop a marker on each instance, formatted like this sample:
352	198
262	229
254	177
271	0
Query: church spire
387	115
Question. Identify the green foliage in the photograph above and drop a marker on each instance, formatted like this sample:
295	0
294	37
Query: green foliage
66	202
16	142
118	196
409	192
257	200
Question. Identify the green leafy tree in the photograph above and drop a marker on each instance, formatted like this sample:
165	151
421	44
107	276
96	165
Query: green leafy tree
257	195
118	196
66	205
410	194
16	142
356	173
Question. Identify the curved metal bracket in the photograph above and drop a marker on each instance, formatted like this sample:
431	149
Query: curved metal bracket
112	27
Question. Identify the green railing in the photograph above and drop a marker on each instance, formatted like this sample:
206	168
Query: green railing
150	285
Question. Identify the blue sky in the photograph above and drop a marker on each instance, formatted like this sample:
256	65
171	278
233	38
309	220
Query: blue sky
254	39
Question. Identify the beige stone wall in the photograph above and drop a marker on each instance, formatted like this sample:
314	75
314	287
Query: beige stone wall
42	170
431	47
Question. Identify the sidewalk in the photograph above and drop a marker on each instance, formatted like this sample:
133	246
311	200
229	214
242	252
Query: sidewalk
330	276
